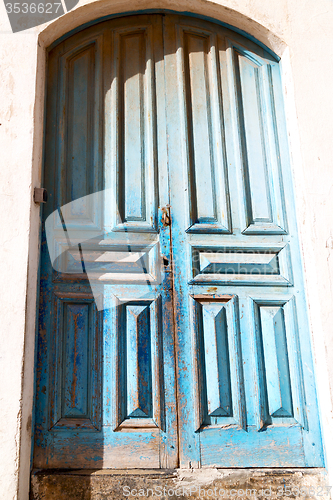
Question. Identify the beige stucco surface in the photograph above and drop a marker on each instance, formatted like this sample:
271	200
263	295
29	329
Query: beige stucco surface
300	32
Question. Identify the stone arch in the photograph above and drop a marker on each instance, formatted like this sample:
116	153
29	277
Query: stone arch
242	19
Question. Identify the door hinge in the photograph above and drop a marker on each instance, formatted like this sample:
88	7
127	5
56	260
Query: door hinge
40	195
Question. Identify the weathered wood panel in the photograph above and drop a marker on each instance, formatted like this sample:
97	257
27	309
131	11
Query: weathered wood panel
249	371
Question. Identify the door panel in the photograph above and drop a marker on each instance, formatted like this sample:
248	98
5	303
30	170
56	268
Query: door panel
252	79
217	370
106	347
170	345
76	371
207	203
244	396
133	126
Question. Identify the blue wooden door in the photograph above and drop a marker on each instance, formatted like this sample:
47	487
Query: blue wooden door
145	112
246	382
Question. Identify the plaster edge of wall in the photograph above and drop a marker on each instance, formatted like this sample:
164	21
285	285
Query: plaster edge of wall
28	362
320	360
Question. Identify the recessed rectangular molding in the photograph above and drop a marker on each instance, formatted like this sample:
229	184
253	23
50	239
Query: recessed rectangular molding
242	265
132	53
279	366
277	362
74	390
139	364
208	193
217	361
133	162
138	361
220	381
239	263
264	211
111	263
76	360
80	134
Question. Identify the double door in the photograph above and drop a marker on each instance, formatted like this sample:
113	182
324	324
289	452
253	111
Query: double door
172	327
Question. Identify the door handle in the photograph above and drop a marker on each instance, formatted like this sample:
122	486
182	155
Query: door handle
166	218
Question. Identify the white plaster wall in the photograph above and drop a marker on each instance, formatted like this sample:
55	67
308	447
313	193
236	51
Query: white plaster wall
300	31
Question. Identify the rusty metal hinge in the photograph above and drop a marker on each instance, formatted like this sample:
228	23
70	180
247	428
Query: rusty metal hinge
40	195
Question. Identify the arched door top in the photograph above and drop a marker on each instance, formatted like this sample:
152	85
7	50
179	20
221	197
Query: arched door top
81	18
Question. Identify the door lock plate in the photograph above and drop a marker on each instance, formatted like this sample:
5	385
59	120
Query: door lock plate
166	218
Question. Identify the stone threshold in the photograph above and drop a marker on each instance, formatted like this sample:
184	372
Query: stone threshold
172	484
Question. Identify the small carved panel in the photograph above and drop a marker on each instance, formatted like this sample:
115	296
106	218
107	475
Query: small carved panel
139	362
281	382
75	374
217	359
220	382
259	145
208	193
242	266
133	165
80	134
127	264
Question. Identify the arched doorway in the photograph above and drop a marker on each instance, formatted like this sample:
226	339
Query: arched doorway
179	123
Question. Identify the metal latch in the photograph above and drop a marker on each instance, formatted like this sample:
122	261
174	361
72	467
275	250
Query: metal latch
40	195
166	219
